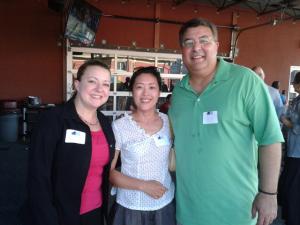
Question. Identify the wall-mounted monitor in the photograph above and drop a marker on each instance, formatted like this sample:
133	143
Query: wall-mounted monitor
82	22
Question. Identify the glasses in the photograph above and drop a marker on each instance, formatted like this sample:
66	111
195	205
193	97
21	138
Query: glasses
203	41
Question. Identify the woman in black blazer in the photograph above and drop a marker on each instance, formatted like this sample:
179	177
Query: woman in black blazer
70	156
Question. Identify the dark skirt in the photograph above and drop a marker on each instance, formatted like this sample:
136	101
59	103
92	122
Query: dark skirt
94	217
290	191
163	216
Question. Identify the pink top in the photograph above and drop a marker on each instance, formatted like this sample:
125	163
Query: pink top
91	196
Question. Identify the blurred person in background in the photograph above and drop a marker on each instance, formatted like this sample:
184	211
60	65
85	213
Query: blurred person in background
290	193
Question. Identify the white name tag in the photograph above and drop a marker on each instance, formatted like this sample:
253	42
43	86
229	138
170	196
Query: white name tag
75	136
210	117
161	140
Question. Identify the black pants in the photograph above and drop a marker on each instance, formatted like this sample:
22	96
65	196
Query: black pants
290	192
94	217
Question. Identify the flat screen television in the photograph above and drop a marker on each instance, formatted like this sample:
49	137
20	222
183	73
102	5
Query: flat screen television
82	22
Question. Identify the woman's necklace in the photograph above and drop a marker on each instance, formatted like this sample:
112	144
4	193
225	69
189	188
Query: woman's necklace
89	123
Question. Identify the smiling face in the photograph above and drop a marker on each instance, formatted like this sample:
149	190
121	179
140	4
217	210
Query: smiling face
145	92
93	87
199	50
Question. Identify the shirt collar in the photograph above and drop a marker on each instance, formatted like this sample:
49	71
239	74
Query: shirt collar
221	74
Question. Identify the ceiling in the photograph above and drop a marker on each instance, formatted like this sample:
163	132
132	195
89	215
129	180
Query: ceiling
285	8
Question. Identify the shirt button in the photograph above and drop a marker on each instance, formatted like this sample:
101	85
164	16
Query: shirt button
198	100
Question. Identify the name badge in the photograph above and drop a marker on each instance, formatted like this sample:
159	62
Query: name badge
161	140
75	136
210	117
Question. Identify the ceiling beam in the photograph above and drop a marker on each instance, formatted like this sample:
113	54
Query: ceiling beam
230	5
266	6
252	7
269	11
178	2
213	3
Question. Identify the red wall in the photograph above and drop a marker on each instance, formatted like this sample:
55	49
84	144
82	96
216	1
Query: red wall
32	61
122	32
275	48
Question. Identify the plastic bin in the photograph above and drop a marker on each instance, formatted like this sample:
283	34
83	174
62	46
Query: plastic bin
9	126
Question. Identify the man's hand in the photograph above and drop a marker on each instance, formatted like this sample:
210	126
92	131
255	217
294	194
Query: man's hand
266	207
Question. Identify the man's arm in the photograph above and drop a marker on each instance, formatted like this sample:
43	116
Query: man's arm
265	202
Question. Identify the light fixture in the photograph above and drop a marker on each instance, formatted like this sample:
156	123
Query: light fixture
103	42
196	9
133	43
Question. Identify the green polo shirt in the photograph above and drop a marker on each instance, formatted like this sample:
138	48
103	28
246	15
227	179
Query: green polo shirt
216	139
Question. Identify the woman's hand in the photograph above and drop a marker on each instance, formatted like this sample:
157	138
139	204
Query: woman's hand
153	188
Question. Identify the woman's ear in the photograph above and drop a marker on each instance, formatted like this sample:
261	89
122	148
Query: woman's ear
76	85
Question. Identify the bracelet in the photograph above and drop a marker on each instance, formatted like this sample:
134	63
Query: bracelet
267	193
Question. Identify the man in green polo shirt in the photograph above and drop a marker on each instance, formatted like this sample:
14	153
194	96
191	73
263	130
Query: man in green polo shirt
227	137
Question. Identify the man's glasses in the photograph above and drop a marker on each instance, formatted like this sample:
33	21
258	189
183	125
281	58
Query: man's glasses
203	41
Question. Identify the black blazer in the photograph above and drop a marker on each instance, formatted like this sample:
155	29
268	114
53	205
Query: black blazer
58	170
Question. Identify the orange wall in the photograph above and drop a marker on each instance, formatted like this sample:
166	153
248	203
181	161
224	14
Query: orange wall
275	48
32	61
122	32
